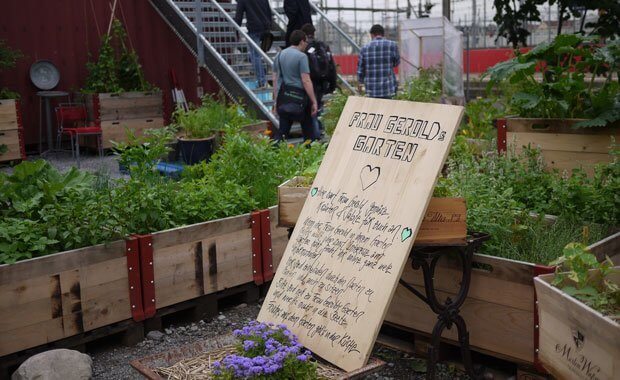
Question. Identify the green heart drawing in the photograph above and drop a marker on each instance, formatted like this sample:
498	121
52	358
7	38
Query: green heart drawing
314	191
405	234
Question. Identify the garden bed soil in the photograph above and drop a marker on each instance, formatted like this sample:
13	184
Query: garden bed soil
562	146
576	341
11	132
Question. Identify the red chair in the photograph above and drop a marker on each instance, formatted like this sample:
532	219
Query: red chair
72	121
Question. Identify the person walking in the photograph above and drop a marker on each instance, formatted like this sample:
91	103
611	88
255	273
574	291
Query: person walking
322	70
376	63
298	13
259	17
295	100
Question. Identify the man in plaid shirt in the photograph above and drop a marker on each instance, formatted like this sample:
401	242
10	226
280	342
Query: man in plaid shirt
375	67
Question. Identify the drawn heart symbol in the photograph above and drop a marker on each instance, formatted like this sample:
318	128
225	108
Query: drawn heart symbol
314	191
369	176
405	234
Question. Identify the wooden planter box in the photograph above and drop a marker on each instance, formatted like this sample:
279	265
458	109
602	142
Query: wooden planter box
576	341
137	111
562	146
445	219
53	297
11	131
57	296
499	310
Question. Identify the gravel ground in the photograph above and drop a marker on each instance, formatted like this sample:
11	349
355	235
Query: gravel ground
111	361
88	161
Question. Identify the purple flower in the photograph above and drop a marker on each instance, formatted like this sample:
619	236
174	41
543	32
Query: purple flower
248	345
302	358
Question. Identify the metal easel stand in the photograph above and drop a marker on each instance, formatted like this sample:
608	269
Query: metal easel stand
426	258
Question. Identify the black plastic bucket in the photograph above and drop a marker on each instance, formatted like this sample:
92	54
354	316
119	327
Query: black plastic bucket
196	150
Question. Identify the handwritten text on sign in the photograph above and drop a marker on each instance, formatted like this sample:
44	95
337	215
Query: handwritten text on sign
353	236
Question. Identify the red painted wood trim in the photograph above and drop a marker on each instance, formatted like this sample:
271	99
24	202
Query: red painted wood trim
257	254
500	124
266	246
20	129
538	270
132	251
148	275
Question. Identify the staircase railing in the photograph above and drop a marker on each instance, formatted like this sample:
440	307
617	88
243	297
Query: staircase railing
220	70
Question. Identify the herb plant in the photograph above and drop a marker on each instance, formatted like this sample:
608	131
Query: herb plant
117	68
564	91
479	116
333	110
425	87
266	351
580	275
210	118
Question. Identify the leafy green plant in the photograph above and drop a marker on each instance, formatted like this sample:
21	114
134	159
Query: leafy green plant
479	116
425	87
117	68
8	59
502	190
563	91
580	275
141	154
333	110
3	149
210	118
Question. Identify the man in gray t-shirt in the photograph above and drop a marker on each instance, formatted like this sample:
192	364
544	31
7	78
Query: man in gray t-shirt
291	67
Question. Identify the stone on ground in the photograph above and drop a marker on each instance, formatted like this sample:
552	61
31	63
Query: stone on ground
61	364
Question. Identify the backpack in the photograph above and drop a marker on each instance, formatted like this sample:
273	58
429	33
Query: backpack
322	67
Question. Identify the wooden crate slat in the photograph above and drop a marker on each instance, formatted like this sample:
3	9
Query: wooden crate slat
8	115
10	138
562	141
554	126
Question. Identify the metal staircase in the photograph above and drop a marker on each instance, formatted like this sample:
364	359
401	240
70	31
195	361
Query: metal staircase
208	29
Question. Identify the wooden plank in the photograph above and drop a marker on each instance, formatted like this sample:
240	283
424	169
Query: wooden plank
555	126
8	114
291	199
10	138
575	340
202	259
608	247
356	228
61	295
569	160
117	130
562	142
493	328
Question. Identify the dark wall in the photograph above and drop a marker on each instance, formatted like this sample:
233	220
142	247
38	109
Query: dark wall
67	31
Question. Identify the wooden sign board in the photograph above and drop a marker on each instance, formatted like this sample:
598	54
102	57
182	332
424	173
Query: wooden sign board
352	239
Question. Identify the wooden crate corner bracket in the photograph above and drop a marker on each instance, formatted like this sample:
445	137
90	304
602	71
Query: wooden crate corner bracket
538	270
148	275
257	254
266	249
132	251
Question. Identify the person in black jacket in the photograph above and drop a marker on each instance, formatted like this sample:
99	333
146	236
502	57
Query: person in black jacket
258	15
298	13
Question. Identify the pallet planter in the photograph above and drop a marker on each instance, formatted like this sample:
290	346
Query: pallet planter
60	295
500	307
56	296
562	146
576	341
136	111
11	131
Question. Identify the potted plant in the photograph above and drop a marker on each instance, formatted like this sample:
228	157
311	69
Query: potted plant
579	316
116	92
11	133
565	98
201	128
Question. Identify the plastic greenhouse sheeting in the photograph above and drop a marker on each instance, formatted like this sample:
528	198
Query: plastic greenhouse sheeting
432	42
